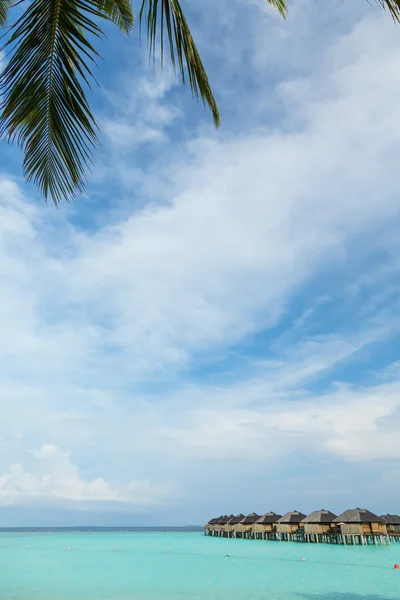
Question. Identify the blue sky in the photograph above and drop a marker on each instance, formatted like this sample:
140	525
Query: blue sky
214	326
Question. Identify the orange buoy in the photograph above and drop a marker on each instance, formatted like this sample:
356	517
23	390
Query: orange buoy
303	560
116	549
396	566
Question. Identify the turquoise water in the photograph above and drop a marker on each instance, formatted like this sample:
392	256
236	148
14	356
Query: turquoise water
196	568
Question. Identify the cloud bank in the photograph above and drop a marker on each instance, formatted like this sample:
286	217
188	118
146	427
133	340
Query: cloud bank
230	309
57	480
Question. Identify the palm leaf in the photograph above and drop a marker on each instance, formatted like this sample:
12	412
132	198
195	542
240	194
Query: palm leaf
44	108
279	5
5	5
393	6
119	12
169	15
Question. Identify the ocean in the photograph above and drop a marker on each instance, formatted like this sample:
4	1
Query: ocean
179	565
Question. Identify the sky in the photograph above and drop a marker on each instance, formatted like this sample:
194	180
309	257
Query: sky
214	326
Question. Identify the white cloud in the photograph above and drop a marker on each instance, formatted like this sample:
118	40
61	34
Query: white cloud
124	135
232	227
244	222
358	424
55	480
143	113
220	259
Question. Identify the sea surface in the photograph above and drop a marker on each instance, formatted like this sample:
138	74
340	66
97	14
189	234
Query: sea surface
157	565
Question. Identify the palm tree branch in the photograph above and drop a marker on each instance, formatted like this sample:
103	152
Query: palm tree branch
280	6
119	12
44	106
183	51
5	5
393	6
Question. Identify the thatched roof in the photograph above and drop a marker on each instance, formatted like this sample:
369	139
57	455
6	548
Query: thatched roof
224	519
235	520
216	521
358	515
268	518
391	519
320	516
250	519
292	517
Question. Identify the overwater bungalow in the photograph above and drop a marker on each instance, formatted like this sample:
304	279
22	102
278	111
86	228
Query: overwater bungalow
221	524
318	522
392	524
245	527
266	525
212	523
290	522
360	521
231	526
357	527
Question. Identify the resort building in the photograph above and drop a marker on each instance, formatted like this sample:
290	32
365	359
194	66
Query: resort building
319	521
290	522
265	525
392	524
212	523
246	525
356	527
232	525
360	521
220	526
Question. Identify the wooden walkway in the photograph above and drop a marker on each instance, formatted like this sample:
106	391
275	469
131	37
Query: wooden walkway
312	538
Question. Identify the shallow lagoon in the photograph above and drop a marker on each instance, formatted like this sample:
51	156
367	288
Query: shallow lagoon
172	566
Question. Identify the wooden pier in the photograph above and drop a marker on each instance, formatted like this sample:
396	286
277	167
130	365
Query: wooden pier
311	538
355	527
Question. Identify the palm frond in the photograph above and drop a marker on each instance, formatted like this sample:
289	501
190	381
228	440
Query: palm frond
168	15
393	6
44	105
280	6
119	12
5	5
